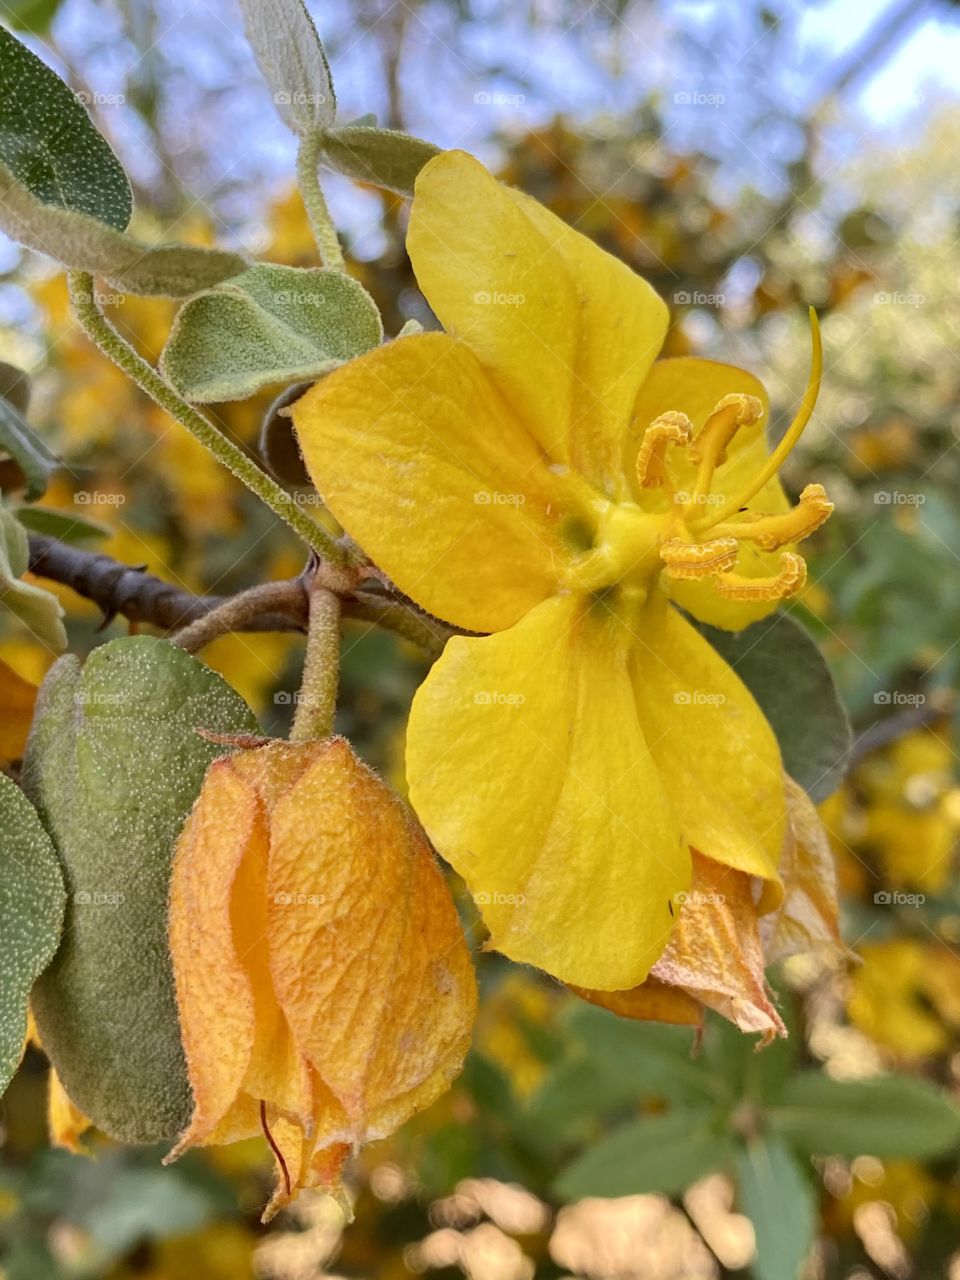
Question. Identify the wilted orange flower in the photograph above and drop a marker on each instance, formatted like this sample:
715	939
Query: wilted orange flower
326	992
720	947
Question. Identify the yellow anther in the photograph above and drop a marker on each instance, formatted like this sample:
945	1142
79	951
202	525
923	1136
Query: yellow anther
698	559
709	449
771	532
790	579
670	428
725	420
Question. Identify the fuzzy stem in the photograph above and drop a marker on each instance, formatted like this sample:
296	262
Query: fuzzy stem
321	224
317	700
109	340
239	611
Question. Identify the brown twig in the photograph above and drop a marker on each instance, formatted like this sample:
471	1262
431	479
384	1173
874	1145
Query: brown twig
120	589
133	593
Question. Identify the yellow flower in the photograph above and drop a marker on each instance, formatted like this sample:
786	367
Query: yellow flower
912	812
325	989
533	473
891	999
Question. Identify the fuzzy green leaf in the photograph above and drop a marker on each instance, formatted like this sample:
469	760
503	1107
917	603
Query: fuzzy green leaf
664	1153
382	157
34	459
272	324
114	763
779	1201
785	671
65	526
31	916
292	61
36	608
890	1117
82	243
50	145
30	15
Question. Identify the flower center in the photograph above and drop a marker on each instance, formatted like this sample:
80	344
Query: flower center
627	547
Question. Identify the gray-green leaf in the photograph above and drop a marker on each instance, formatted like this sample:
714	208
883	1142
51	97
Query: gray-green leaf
292	61
779	1200
114	763
83	243
891	1117
30	15
383	157
36	608
272	324
664	1153
49	143
655	1059
34	459
31	916
65	526
785	671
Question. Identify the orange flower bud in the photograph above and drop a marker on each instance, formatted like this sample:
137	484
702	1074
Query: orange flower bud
325	989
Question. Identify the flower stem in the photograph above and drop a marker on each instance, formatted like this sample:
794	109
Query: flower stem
321	224
237	612
317	700
109	340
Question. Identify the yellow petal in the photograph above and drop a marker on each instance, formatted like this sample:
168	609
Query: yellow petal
66	1122
652	1001
716	753
713	960
567	331
213	991
807	918
694	387
366	950
529	768
423	463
